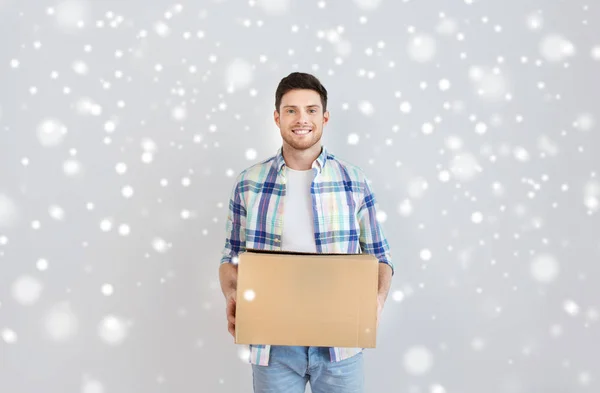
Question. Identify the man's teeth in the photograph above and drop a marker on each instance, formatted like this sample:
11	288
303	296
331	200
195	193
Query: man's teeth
301	132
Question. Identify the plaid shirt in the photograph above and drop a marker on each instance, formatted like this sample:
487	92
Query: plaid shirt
344	208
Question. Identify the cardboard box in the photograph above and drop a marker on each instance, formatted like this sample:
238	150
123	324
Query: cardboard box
289	298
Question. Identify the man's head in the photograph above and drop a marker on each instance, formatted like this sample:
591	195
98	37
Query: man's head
301	110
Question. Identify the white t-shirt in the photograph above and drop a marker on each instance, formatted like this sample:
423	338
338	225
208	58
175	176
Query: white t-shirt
298	229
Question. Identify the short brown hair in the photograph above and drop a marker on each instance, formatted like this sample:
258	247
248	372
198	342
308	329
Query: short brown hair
300	80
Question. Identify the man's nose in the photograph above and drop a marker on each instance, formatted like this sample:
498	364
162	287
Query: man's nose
303	117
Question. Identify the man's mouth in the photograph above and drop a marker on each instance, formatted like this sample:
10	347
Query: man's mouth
301	131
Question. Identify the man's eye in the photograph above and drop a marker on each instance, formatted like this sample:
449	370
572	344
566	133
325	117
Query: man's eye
290	111
313	111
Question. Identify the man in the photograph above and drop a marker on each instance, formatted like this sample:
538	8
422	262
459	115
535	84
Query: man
303	199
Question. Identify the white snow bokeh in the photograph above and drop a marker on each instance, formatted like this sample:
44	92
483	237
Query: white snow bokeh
239	75
555	48
8	211
275	7
418	360
26	290
591	195
60	323
545	268
72	15
113	330
90	385
489	84
421	48
51	132
9	336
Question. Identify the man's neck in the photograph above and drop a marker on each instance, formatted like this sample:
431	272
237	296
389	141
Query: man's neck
301	160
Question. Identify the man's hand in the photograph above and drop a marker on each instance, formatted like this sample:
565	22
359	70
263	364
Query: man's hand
230	311
380	302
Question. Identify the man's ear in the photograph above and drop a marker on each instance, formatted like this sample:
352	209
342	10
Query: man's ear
276	117
325	117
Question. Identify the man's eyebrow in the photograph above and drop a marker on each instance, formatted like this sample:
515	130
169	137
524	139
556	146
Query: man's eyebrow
307	106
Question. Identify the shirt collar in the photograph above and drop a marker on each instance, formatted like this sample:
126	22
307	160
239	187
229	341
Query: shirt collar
319	163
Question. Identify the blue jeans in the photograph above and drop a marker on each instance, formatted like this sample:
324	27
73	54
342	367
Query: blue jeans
290	368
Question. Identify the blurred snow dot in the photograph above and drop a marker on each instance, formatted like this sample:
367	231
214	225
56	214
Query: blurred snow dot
161	28
405	107
159	245
147	157
591	195
112	330
421	48
425	254
71	13
556	331
229	172
437	389
8	211
366	108
274	7
521	154
244	354
92	386
179	113
454	142
477	217
107	289
251	154
127	191
444	84
186	182
405	208
367	5
185	214
584	378
447	27
60	323
381	216
239	74
14	63
56	212
477	344
444	176
121	168
106	225
535	21
36	225
464	166
72	167
110	126
9	336
249	295
417	187
427	128
124	230
571	307
556	48
418	360
3	240
481	128
544	268
148	145
26	290
80	67
353	139
398	296
42	264
51	132
585	121
595	53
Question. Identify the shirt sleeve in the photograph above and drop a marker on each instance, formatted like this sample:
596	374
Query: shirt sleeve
235	226
372	237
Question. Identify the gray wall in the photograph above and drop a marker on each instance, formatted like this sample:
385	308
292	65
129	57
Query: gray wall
477	123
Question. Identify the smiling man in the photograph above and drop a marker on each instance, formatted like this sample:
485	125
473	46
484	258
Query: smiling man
303	199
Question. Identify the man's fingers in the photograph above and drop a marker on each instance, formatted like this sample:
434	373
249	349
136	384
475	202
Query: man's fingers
231	329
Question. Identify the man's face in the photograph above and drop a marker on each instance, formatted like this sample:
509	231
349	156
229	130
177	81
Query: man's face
301	119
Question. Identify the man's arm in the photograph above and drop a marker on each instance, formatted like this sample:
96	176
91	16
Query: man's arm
235	243
385	281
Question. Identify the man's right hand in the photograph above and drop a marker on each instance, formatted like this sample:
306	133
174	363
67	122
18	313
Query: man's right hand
230	299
